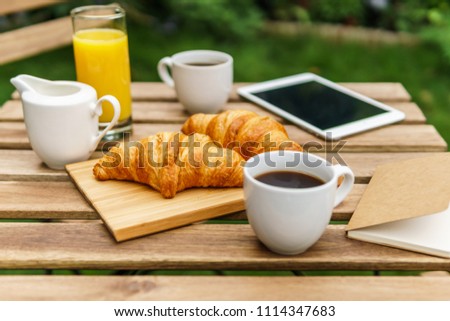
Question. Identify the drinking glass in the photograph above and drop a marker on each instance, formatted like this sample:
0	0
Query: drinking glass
100	44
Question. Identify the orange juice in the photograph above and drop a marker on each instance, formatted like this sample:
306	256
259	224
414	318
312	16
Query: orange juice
101	58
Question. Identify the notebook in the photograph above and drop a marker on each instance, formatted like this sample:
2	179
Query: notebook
407	205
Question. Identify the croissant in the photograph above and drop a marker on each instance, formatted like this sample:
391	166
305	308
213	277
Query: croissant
242	130
171	162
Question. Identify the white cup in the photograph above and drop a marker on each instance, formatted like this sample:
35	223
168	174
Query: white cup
202	79
61	118
290	220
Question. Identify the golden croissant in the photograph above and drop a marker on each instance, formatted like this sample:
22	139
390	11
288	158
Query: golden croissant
243	131
171	162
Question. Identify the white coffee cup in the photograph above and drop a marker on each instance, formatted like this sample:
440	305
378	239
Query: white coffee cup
61	118
202	79
290	220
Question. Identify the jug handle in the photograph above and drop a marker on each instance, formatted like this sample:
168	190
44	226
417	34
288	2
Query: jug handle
97	111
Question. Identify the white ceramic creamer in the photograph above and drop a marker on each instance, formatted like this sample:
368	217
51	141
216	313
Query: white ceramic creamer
61	118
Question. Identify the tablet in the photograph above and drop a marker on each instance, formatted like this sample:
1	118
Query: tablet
320	106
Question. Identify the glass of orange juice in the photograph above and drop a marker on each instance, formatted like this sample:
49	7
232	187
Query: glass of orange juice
100	45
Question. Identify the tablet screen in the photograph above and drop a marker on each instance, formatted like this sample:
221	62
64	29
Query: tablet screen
319	105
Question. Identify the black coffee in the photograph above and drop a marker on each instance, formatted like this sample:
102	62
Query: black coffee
289	179
203	64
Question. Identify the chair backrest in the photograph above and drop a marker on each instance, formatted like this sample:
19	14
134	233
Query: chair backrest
34	39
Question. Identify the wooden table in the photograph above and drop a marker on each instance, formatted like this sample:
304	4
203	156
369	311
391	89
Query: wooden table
59	230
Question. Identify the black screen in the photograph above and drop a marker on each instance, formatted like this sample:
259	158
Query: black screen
319	105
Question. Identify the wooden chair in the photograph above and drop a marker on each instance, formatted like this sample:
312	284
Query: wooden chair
34	39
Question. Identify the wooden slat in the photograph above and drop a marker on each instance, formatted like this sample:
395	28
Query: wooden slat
388	92
28	198
90	246
395	138
25	177
173	112
35	39
7	7
11	111
413	113
14	136
380	91
364	164
143	112
62	200
237	288
43	200
24	165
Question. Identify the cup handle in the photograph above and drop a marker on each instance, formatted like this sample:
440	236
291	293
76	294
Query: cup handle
163	70
97	111
346	186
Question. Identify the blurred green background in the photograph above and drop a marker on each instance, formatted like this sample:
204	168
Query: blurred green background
250	31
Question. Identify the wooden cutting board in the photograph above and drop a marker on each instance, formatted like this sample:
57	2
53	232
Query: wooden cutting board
131	210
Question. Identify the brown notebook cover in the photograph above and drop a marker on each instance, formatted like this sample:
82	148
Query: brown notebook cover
406	205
